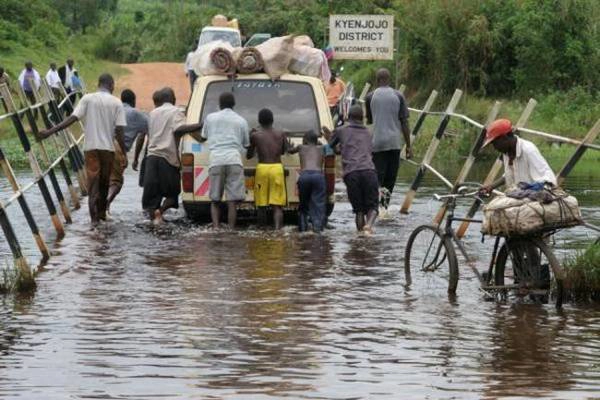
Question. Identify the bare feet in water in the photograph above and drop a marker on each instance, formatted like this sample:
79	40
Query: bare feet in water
158	219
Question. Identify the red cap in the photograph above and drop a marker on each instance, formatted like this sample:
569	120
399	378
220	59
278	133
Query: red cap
498	128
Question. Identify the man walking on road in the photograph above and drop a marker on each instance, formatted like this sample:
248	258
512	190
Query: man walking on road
137	125
162	182
387	111
360	176
66	75
53	81
28	77
227	136
269	180
103	119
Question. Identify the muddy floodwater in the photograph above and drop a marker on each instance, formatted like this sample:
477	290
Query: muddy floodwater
128	311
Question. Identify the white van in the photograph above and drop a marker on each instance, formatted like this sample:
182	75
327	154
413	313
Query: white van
216	33
298	104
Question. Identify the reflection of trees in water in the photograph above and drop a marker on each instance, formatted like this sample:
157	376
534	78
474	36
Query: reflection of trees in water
274	332
523	357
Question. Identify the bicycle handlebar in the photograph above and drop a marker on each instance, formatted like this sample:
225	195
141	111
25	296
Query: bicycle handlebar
439	197
461	192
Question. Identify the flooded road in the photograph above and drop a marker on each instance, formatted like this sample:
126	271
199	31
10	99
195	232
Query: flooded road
129	311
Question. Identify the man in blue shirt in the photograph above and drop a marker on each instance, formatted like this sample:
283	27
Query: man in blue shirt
227	135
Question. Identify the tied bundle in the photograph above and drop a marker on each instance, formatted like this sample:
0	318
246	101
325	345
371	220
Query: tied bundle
222	60
250	61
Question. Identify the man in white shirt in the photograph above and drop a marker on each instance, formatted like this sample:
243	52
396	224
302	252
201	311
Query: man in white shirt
103	119
53	80
162	181
523	162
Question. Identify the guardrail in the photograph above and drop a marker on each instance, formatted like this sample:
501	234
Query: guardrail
449	113
50	112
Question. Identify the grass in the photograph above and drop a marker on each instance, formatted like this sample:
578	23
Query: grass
583	274
89	67
13	279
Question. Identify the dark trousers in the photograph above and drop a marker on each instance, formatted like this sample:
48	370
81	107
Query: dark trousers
192	77
387	164
313	196
98	166
31	98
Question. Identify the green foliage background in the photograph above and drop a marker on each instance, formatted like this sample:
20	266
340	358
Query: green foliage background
485	47
510	49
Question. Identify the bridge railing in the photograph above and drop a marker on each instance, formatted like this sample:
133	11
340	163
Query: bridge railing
67	159
424	166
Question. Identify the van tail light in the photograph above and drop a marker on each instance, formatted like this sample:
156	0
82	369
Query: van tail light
330	173
187	172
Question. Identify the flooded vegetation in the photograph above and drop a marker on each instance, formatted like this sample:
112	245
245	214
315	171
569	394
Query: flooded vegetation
133	311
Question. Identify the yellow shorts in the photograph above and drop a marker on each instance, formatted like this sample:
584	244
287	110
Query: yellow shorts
269	185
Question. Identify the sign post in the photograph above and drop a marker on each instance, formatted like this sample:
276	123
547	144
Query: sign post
362	37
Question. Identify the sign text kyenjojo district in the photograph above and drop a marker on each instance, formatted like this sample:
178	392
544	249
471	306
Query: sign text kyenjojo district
362	37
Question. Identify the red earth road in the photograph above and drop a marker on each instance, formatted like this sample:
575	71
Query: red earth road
146	78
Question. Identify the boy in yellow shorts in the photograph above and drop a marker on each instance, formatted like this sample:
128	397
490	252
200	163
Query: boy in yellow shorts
269	181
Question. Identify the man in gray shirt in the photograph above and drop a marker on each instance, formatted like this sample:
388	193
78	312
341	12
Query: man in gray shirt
137	126
388	112
355	145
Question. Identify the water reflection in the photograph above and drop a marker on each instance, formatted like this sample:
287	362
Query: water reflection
523	357
132	311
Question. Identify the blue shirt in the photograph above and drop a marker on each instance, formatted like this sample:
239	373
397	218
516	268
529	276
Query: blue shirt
137	122
227	135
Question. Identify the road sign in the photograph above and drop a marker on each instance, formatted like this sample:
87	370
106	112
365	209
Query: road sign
362	37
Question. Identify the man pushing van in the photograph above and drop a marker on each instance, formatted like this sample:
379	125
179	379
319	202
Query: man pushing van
227	135
269	181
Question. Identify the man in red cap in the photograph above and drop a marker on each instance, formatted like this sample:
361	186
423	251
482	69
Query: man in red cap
523	162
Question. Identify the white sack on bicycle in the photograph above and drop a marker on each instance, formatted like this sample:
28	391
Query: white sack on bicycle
507	216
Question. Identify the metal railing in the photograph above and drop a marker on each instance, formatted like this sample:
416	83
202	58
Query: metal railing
50	112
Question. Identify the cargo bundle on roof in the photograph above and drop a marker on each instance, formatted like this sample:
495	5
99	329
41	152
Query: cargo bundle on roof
275	57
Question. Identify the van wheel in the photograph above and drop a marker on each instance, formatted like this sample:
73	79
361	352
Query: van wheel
197	212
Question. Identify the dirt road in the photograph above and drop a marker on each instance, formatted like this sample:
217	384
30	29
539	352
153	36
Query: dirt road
144	79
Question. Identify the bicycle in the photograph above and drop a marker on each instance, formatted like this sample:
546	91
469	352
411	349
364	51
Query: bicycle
522	265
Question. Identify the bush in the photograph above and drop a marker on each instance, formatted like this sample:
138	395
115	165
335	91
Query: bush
583	274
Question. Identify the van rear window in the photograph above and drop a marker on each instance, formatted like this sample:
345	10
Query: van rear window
292	103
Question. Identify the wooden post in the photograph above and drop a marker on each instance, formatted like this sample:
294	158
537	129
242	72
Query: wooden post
435	141
35	167
402	88
15	248
466	168
34	130
76	157
74	197
420	120
495	170
579	151
37	236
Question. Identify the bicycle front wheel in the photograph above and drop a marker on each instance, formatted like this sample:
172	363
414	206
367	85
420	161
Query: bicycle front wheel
528	268
430	258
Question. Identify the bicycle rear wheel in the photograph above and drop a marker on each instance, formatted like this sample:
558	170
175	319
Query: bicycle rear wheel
431	258
528	268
